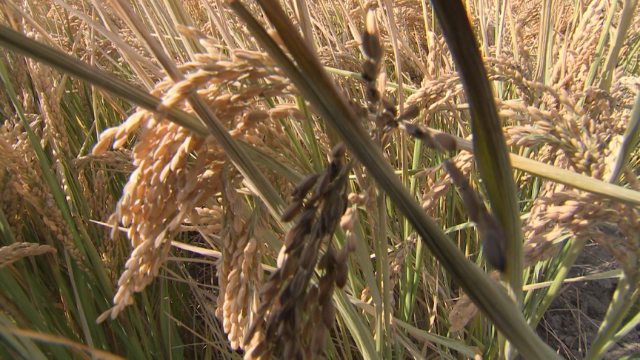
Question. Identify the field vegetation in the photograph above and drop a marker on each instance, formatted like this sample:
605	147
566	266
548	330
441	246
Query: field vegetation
314	179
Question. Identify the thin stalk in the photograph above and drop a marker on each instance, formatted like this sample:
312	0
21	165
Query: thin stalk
21	346
612	59
618	309
79	302
629	142
356	327
379	320
412	273
500	20
558	281
513	31
382	258
12	289
179	16
421	334
544	39
358	76
5	230
363	259
627	328
602	41
296	145
310	136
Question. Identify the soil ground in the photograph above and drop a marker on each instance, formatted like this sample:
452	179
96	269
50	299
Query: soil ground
571	323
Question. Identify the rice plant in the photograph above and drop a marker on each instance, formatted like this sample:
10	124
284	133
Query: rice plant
290	179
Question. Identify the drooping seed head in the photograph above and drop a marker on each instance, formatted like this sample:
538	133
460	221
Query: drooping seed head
371	38
338	151
493	240
352	241
472	204
304	186
446	141
389	106
328	314
370	71
342	274
292	210
410	113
